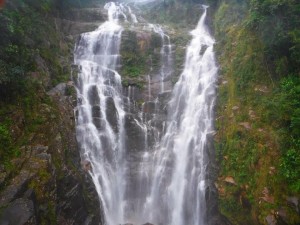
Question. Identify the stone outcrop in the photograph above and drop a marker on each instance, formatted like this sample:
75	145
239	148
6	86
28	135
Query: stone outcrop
46	183
50	186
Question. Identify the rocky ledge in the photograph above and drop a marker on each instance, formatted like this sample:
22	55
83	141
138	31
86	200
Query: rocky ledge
48	185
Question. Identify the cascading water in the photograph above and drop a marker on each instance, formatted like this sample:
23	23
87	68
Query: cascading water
100	120
166	55
180	163
168	187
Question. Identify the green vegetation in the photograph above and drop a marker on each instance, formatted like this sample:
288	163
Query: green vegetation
24	51
34	57
138	55
30	53
176	13
8	149
42	186
258	108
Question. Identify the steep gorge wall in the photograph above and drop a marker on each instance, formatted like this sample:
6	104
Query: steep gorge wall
41	178
256	100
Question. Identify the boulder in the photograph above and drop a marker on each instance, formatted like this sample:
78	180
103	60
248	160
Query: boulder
230	180
59	89
17	186
293	201
18	212
112	114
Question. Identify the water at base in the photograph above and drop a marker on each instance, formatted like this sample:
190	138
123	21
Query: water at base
169	186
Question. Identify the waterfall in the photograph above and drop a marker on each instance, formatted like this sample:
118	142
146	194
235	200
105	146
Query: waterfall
181	160
100	113
165	182
166	55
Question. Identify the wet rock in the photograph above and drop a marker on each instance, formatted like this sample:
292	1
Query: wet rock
135	136
17	186
38	149
75	28
219	220
93	96
91	220
112	114
2	177
149	107
293	202
203	49
19	212
99	123
72	204
86	14
59	89
96	111
86	165
44	156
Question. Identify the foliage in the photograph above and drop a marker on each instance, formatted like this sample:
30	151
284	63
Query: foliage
7	148
24	50
290	166
287	102
278	24
288	97
258	47
133	59
179	13
26	32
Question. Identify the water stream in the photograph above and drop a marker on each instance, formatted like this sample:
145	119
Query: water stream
165	182
100	120
180	162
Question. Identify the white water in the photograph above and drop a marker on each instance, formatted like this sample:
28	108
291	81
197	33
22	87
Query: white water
169	186
166	55
100	121
180	167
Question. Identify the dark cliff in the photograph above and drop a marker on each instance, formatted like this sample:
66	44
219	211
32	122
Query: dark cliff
41	178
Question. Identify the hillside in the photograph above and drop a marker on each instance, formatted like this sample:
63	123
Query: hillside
253	167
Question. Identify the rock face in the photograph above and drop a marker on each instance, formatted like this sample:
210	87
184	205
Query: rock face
19	212
50	185
47	184
73	22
